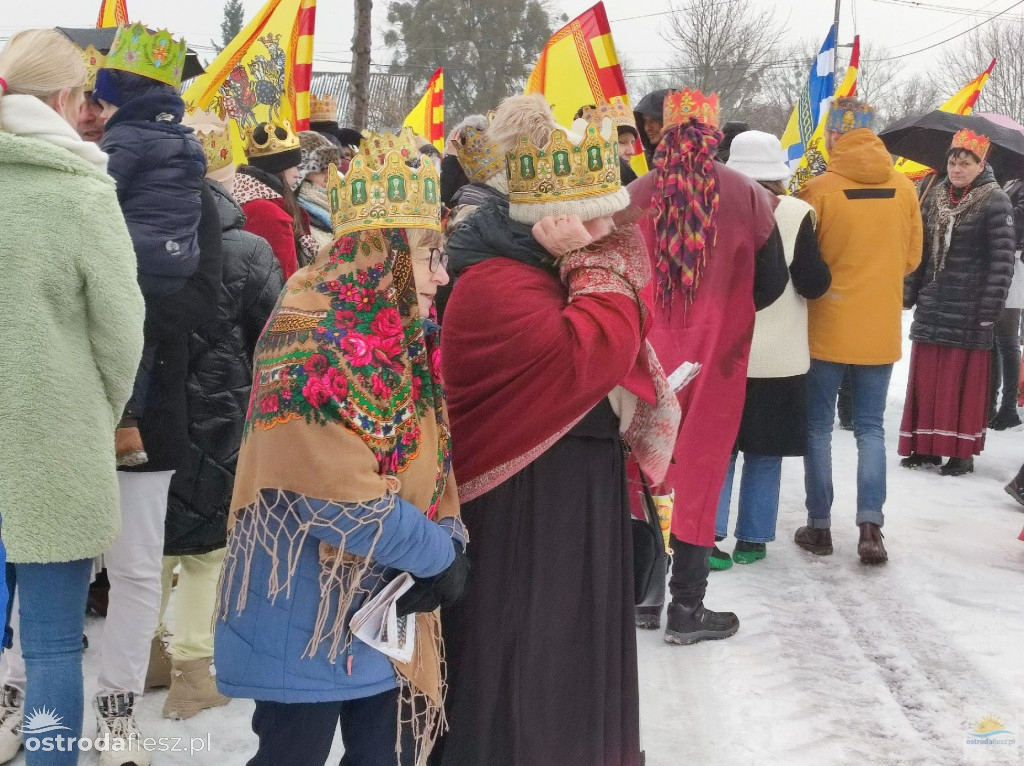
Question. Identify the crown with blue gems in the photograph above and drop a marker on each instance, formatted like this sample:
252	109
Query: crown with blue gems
156	55
848	114
389	189
480	158
615	109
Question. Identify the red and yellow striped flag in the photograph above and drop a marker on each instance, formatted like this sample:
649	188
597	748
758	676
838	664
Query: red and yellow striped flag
578	67
427	117
265	72
113	13
962	103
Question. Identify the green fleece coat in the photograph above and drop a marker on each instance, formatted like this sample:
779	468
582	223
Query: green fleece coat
70	343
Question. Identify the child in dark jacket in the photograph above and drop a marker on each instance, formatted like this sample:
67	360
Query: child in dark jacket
158	165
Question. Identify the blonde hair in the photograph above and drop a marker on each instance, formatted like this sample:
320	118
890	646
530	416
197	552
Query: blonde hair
41	63
420	237
518	116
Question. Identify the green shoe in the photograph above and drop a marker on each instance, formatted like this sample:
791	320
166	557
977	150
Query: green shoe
720	560
748	553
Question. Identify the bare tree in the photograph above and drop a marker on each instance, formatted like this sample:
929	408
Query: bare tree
999	40
878	80
725	48
914	95
362	40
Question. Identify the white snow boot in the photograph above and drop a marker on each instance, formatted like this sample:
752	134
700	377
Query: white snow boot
12	714
115	721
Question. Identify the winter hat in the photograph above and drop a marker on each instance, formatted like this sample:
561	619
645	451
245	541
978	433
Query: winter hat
576	173
318	153
730	130
758	155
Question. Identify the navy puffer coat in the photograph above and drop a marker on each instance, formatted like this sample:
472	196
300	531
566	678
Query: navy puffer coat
218	385
953	304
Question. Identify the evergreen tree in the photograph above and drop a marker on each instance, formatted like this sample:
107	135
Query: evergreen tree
234	20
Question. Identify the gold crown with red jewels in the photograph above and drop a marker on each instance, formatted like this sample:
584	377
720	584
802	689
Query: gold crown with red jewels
480	158
323	109
216	141
376	146
385	188
681	106
94	61
615	109
973	142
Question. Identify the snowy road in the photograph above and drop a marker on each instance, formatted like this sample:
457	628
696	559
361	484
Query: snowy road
835	662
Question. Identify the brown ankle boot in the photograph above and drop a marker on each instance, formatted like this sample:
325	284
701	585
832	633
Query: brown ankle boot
158	676
870	548
192	689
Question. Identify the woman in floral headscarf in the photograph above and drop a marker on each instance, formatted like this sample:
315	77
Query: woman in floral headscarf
343	482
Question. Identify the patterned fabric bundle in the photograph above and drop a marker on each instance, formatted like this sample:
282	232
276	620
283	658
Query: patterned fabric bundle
685	205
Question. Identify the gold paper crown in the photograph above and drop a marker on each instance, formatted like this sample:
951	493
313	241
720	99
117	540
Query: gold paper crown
480	158
388	194
377	146
563	171
683	105
323	109
156	55
616	109
216	141
273	144
94	61
972	142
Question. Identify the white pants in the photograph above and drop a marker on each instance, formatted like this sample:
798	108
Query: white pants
134	564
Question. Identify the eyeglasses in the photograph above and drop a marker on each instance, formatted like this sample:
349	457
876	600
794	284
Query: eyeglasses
438	260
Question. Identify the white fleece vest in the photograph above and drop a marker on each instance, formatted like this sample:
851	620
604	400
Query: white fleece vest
780	349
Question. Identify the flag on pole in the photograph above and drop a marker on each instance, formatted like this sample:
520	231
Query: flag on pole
264	73
113	13
579	67
812	106
962	103
427	117
815	158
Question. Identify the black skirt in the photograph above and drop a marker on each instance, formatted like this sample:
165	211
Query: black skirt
541	654
775	417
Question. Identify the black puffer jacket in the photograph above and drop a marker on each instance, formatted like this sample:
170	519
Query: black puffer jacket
953	304
218	385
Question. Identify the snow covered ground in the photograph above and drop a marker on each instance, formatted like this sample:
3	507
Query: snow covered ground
835	662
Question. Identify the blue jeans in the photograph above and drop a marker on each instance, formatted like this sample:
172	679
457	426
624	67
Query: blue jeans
51	600
759	499
870	386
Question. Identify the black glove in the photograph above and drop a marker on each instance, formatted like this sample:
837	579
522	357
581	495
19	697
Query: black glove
443	589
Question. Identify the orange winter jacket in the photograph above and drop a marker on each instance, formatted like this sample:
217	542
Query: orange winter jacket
870	235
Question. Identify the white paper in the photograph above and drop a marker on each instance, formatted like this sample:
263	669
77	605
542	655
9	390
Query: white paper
377	623
683	375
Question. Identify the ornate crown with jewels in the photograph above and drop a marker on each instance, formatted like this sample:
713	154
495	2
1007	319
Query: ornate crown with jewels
377	146
323	109
681	106
273	144
216	141
973	142
563	171
155	55
615	109
389	193
849	114
94	61
480	158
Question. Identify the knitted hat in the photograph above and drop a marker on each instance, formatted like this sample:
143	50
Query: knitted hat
318	153
576	173
758	155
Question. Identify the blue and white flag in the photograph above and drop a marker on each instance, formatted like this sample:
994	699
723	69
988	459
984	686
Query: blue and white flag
813	104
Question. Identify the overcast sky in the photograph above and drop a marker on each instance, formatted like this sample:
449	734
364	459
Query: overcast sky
904	26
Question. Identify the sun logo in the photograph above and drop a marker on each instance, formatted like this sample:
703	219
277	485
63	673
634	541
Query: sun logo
42	721
989	726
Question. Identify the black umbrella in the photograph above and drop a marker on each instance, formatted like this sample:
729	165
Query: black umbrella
926	139
102	38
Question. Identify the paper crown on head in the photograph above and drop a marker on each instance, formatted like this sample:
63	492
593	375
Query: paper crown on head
851	115
481	158
973	142
377	146
94	61
566	170
681	106
274	144
615	109
156	55
215	138
323	109
384	191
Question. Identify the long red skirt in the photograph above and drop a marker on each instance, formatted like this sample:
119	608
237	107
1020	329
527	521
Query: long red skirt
947	401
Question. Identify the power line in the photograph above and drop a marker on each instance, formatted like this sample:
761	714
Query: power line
948	39
941	29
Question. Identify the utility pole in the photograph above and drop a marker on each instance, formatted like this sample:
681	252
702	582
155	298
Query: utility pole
838	3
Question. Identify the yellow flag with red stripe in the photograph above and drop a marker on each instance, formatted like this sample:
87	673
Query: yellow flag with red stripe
264	73
962	103
579	67
427	117
113	13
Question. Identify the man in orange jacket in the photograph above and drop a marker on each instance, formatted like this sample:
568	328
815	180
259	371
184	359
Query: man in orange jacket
870	234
